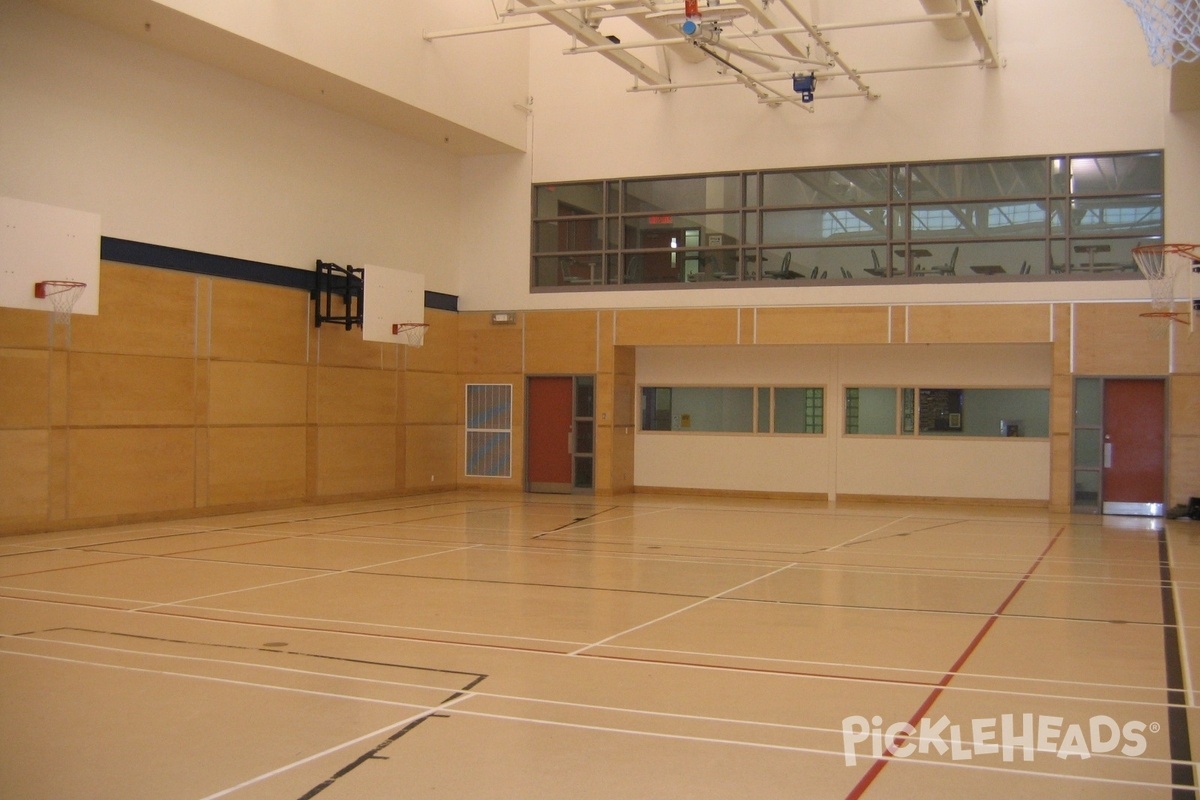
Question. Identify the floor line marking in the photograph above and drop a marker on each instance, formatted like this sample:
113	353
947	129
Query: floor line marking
678	611
873	771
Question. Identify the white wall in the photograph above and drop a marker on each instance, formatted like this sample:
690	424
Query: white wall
834	463
378	44
172	152
1076	79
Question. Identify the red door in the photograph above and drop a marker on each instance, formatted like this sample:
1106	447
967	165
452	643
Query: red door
550	419
1134	446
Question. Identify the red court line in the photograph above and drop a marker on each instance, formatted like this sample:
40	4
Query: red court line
871	774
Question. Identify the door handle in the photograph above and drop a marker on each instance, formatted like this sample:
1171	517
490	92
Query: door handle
571	440
1108	455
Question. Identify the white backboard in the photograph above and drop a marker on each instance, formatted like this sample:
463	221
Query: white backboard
45	243
390	297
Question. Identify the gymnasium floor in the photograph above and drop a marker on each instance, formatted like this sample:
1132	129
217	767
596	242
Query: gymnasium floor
532	646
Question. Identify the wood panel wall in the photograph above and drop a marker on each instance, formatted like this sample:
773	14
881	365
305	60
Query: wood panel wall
192	393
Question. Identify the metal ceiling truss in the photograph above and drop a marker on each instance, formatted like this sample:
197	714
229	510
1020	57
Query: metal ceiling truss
758	44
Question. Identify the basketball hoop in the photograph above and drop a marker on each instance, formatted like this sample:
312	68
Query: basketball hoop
413	332
1161	265
62	296
1172	29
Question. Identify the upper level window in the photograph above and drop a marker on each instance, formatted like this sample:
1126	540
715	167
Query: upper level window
1051	218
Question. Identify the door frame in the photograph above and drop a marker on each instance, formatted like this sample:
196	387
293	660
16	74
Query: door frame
1102	506
574	453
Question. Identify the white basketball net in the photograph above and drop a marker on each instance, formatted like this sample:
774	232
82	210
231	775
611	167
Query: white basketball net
413	332
1161	266
62	296
1172	29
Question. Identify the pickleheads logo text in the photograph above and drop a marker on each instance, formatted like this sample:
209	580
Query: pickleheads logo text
1009	736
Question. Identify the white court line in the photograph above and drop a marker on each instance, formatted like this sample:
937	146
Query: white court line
861	535
1184	657
678	611
321	574
475	693
1012	771
459	698
784	662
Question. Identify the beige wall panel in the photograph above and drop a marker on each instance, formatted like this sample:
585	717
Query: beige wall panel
746	326
1060	472
848	325
1185	466
243	393
1111	339
899	323
355	459
23	328
440	351
1062	403
431	457
109	389
143	311
337	347
487	350
677	326
561	342
432	398
356	396
1187	348
1185	405
257	322
24	388
1062	339
975	324
24	476
608	322
115	471
256	465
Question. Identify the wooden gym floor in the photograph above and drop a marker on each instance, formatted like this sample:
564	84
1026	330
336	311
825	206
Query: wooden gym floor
530	646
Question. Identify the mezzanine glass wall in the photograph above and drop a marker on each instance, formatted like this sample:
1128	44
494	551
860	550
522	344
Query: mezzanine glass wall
1061	217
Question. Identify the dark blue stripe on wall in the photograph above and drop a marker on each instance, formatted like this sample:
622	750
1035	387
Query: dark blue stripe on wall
156	255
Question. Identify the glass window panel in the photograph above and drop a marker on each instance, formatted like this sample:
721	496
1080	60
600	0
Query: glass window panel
752	225
1010	178
1142	215
993	258
826	187
940	410
799	410
656	408
908	411
584	396
1087	448
752	183
1088	401
824	225
714	265
682	230
1006	412
764	410
1105	256
579	270
979	220
583	472
683	194
1127	174
567	199
712	409
871	411
1087	488
565	236
583	436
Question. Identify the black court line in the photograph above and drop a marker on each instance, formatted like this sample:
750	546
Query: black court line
1183	770
575	521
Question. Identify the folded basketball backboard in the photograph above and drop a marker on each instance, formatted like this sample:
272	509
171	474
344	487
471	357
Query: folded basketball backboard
391	298
40	243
